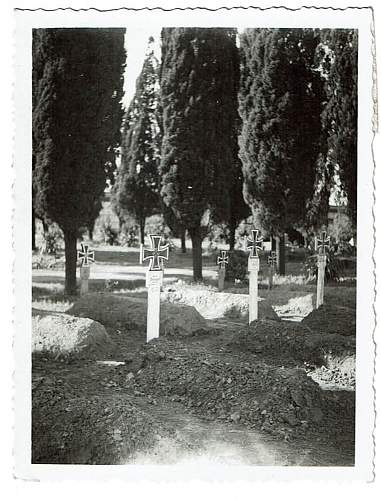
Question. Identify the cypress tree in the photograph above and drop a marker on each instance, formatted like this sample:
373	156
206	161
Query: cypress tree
338	57
78	86
239	210
281	99
136	190
199	105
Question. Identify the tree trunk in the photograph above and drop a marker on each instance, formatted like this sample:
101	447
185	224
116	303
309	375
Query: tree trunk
45	227
70	262
183	242
33	230
195	235
232	227
282	255
273	244
277	250
142	224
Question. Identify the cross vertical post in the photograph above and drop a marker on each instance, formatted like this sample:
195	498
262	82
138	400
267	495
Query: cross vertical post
222	261
154	280
321	244
272	261
85	257
253	245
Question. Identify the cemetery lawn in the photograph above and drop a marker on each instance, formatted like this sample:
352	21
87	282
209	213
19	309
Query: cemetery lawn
279	393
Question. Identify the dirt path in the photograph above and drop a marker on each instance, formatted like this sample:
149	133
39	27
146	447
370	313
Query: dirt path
198	441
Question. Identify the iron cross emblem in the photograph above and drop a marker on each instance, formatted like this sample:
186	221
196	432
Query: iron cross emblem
222	259
272	260
255	243
85	255
322	243
156	254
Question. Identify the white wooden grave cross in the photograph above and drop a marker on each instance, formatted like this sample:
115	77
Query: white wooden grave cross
85	257
222	261
255	244
272	261
320	246
154	279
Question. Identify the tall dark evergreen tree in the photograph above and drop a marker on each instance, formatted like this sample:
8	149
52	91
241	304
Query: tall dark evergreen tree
137	186
78	86
199	104
281	99
338	57
239	210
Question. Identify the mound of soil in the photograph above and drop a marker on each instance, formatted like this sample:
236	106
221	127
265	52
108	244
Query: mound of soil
212	305
332	319
70	428
296	308
120	311
282	401
341	296
339	373
60	334
291	344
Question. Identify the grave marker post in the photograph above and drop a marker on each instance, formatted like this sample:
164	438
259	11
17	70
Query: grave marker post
222	260
272	261
320	246
254	245
85	257
154	280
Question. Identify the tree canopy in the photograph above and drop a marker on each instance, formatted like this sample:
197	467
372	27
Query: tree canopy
282	142
199	103
137	186
338	57
77	91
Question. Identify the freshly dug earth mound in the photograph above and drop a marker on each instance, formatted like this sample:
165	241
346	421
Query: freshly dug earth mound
68	428
62	334
295	344
212	305
332	319
339	373
282	401
289	343
296	308
128	312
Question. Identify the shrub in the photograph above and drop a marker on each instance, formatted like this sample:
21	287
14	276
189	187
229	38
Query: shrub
156	225
129	234
217	233
52	240
334	269
237	267
110	234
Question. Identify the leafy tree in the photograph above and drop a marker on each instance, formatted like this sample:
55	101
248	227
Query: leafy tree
281	143
337	55
137	187
199	105
78	86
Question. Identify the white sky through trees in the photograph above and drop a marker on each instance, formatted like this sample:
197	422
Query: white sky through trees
136	42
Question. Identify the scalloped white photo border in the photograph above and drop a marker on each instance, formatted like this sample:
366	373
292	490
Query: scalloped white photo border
358	18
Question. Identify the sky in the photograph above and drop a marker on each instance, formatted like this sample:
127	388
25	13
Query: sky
136	41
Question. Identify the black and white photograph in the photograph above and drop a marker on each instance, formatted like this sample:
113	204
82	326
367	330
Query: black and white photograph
196	236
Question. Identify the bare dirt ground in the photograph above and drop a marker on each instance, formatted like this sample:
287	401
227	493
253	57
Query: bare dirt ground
232	395
145	411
